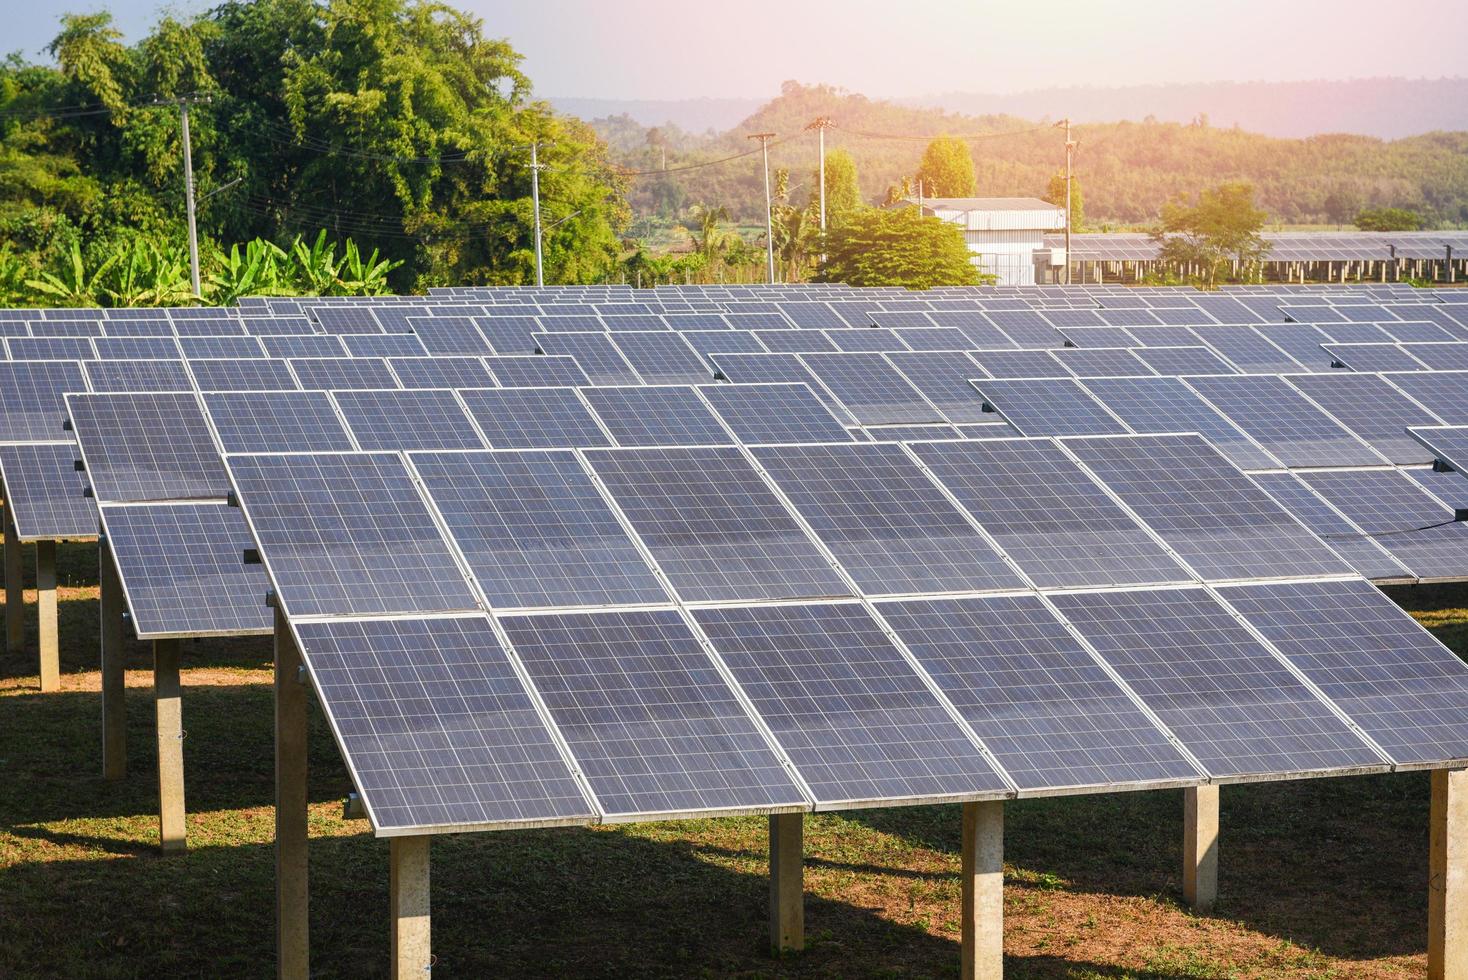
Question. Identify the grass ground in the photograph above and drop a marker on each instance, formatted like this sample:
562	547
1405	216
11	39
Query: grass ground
1322	878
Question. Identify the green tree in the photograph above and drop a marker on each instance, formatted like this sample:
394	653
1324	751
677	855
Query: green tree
1388	219
1055	194
1222	228
947	169
843	192
881	247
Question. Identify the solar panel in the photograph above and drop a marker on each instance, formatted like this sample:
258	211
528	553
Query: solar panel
242	374
713	526
437	727
1414	526
276	421
147	446
1345	538
886	523
1048	516
1279	419
1048	407
662	357
533	418
536	371
594	352
403	420
347	534
331	373
1406	690
1183	360
853	715
440	372
35	409
1208	513
656	416
654	726
1235	705
43	492
1372	409
1039	700
134	376
183	570
763	413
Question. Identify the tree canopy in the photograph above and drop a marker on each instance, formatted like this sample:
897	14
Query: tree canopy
896	247
396	122
947	169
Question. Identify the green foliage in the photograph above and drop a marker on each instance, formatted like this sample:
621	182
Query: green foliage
896	247
1388	219
1222	228
843	192
1055	194
947	169
396	123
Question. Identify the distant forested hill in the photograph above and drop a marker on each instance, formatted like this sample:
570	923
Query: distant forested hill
1127	169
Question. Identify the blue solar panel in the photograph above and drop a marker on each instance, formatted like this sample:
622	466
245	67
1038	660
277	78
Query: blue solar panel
1215	518
652	723
277	421
347	534
1040	701
1234	704
713	526
437	727
1052	520
848	708
1406	690
148	446
886	523
183	571
43	492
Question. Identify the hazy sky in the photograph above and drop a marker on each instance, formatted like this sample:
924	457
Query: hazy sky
673	49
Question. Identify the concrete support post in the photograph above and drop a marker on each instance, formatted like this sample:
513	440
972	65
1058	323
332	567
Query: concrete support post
114	677
14	588
412	950
983	891
1200	847
1447	882
292	838
166	687
787	882
50	649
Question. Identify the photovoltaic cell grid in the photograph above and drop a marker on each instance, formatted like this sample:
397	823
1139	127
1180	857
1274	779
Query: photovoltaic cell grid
649	718
847	707
1049	517
147	447
1212	516
889	527
713	526
43	492
347	534
437	727
535	530
183	571
1231	701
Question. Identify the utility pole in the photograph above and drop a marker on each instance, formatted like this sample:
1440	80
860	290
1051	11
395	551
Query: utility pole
764	142
1069	152
183	102
535	199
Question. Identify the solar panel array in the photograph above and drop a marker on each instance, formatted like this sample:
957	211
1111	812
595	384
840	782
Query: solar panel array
583	554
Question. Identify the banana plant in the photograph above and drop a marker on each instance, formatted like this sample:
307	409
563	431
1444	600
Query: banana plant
75	286
363	277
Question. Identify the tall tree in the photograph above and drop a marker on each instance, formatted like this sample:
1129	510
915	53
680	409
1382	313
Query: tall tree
1055	194
896	247
1222	228
947	169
